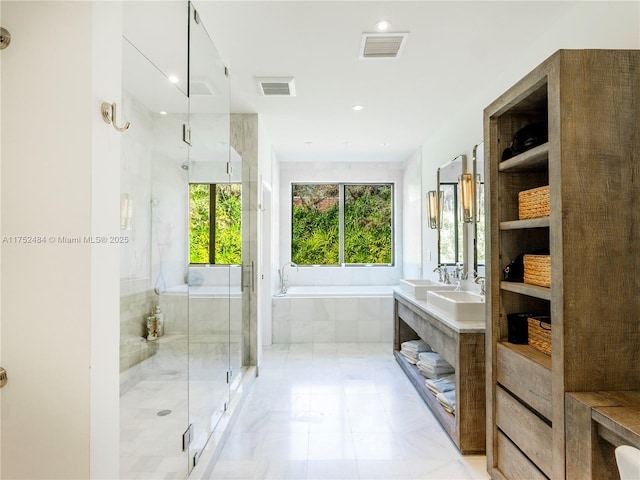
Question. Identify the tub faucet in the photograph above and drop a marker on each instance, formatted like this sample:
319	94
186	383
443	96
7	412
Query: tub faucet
283	277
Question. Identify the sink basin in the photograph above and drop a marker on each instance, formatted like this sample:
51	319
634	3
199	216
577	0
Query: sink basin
419	288
460	306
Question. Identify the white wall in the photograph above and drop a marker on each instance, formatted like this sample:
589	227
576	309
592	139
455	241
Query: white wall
292	172
588	25
59	301
412	217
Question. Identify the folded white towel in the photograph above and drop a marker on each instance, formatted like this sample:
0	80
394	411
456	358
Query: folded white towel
448	400
434	372
434	359
415	346
411	358
442	384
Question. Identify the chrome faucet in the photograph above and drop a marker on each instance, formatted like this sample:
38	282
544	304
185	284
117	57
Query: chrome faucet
283	277
439	270
480	281
458	273
445	274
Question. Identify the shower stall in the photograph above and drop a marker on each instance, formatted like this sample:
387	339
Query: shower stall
186	276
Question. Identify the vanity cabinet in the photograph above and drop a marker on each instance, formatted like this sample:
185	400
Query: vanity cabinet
462	345
590	100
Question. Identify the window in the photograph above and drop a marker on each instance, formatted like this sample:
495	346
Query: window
215	213
337	224
451	229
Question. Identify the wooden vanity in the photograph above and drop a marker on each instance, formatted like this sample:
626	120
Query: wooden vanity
462	345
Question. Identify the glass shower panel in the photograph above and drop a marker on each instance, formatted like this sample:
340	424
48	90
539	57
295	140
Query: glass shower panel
210	272
242	288
153	348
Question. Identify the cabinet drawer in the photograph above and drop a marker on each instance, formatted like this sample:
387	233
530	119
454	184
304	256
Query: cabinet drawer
513	464
530	433
512	367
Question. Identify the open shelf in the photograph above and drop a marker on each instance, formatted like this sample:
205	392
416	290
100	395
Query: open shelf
447	420
522	224
535	159
529	353
525	289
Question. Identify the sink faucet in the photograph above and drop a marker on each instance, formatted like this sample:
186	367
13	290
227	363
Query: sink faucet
283	277
480	281
458	273
446	279
439	270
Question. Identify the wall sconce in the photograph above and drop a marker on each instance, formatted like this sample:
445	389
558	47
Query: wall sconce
469	188
435	202
126	212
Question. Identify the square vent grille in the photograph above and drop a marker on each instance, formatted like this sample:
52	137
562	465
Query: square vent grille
276	86
382	45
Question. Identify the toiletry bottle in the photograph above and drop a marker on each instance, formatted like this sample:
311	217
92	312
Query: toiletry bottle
151	326
159	321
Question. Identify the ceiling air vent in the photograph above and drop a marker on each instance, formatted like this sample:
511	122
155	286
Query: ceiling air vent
276	86
382	45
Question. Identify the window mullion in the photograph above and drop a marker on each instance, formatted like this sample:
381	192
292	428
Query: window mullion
341	223
212	223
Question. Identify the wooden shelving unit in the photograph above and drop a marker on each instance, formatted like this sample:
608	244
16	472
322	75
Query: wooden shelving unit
590	100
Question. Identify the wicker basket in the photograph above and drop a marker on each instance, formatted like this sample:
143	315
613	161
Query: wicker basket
537	270
540	334
533	203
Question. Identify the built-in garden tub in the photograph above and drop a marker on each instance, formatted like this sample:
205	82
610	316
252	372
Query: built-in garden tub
325	314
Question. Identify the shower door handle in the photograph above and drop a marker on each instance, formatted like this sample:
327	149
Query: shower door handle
251	282
3	377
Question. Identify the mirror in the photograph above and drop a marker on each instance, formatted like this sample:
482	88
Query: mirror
479	227
451	232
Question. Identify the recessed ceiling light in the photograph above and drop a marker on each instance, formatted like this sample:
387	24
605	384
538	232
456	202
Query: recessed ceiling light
173	79
308	144
384	144
383	25
347	143
163	112
357	108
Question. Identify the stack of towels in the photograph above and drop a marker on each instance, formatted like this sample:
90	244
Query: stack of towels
412	349
448	401
432	365
444	389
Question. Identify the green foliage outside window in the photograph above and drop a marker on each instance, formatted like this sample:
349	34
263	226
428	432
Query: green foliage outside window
367	224
368	218
226	220
315	238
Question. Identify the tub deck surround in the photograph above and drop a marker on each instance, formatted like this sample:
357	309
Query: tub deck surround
462	345
328	314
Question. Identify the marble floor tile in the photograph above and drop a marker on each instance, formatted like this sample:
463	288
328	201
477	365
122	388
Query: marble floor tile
338	411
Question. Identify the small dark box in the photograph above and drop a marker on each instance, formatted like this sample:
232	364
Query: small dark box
518	327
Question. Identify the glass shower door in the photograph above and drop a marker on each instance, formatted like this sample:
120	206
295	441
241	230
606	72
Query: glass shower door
153	206
210	270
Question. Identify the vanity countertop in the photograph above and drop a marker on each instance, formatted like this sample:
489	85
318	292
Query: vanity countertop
477	326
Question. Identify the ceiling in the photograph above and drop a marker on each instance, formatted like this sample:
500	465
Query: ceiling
454	51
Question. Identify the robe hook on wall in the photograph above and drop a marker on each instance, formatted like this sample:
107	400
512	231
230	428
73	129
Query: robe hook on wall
5	38
109	116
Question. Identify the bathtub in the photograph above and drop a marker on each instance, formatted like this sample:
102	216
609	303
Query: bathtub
201	310
327	314
329	291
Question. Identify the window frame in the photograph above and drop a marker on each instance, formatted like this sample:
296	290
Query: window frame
341	224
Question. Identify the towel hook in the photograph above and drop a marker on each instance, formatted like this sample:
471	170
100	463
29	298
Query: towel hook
5	38
109	116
